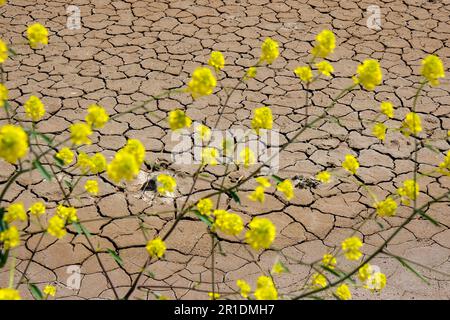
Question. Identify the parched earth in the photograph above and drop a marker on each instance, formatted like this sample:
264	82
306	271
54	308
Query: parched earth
127	51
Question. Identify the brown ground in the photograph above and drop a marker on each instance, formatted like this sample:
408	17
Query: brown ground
128	50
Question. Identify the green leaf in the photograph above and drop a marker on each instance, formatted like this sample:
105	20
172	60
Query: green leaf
68	184
151	274
336	273
203	218
81	229
37	294
12	52
58	161
432	148
407	266
116	257
277	178
3	258
232	194
44	173
433	221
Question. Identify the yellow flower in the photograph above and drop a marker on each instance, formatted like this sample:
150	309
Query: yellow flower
444	166
15	211
228	223
269	51
68	214
318	281
304	73
91	186
432	69
97	116
365	272
156	248
323	176
2	2
412	124
265	289
244	288
351	247
13	143
278	268
209	156
179	120
205	206
217	61
98	163
350	164
34	108
368	74
9	294
85	163
376	282
263	182
37	209
258	194
325	44
65	155
56	227
213	296
79	133
287	188
410	190
3	51
37	34
262	119
343	292
247	157
137	149
204	132
379	131
325	68
251	73
261	233
123	166
387	108
328	260
386	208
10	238
166	184
3	95
202	83
49	290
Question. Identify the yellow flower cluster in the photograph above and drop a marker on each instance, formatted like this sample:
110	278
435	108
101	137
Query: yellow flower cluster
261	234
304	73
368	74
386	208
9	294
287	188
343	292
3	51
209	156
179	120
3	95
278	268
95	164
156	248
37	34
247	157
13	143
228	223
34	108
79	133
379	131
262	119
265	289
205	206
409	191
444	166
350	164
244	288
217	61
56	227
213	295
68	214
412	124
166	184
323	176
251	73
65	155
325	68
37	209
387	109
127	161
96	116
318	280
432	69
374	281
351	247
258	193
91	186
10	238
328	260
204	132
325	44
15	211
269	51
202	83
49	290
